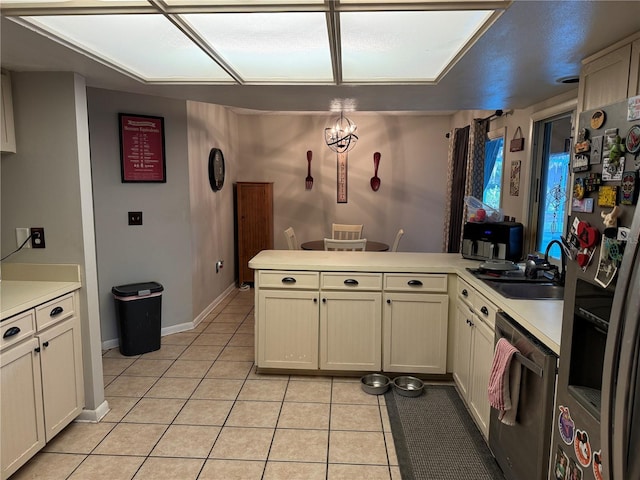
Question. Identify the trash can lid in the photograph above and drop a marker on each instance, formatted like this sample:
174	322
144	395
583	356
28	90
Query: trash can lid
134	289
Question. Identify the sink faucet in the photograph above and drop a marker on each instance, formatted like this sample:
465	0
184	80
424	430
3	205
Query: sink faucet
534	266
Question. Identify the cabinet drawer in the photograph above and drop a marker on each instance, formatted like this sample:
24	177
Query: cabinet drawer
408	282
485	309
351	281
284	279
16	328
466	292
55	311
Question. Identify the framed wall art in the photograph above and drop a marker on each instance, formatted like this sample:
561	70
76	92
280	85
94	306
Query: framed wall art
142	154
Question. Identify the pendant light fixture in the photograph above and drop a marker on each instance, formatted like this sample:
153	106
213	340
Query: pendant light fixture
340	136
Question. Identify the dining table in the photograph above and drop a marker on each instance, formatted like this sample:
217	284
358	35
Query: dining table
371	246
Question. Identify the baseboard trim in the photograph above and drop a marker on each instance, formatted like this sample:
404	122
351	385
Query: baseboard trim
181	327
94	416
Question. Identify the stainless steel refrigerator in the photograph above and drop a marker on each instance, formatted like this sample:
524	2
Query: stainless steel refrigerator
596	431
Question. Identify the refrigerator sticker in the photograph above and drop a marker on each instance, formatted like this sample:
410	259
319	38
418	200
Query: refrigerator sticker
561	465
597	465
574	472
582	448
566	426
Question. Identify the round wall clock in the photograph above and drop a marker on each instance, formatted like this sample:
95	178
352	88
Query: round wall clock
216	169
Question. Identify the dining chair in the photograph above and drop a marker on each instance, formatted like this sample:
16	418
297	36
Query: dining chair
355	245
399	235
340	231
292	241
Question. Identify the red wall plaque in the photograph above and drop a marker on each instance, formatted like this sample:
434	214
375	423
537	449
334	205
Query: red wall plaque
142	148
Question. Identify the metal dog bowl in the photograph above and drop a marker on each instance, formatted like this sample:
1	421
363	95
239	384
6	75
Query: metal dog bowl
375	383
408	386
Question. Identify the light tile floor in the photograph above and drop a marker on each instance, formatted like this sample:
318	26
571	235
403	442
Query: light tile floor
196	409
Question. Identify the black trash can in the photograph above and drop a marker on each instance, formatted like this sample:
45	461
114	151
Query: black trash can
138	313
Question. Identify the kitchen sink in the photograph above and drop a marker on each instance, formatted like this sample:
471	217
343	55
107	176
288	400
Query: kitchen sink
524	290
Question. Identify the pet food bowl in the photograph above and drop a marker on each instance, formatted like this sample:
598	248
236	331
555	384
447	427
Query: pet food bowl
375	383
408	386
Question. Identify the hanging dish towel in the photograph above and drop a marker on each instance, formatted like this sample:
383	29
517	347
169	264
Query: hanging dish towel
504	382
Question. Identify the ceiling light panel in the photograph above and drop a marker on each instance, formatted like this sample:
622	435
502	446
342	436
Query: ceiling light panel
412	46
149	47
269	47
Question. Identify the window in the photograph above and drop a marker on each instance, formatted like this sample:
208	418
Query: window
493	156
550	181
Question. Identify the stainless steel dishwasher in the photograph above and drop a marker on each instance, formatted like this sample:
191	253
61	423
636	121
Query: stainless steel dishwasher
523	450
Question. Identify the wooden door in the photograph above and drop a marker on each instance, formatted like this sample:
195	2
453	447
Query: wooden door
254	219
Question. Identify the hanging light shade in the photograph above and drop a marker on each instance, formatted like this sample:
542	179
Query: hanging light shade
341	135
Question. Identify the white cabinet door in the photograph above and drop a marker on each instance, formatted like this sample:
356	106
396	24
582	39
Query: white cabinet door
62	380
415	333
287	329
350	330
463	343
482	359
605	80
21	405
7	133
634	70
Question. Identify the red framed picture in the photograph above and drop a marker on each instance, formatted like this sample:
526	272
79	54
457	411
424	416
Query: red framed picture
142	148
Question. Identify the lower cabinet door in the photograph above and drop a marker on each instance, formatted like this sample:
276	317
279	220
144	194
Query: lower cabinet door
62	378
21	405
415	333
287	329
463	341
350	330
481	370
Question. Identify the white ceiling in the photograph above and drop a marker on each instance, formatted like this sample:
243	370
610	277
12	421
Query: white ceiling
515	63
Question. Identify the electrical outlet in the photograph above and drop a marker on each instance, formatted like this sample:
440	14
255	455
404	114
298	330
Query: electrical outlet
37	237
21	236
135	218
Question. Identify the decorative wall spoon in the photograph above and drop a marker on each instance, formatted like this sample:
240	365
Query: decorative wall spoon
375	180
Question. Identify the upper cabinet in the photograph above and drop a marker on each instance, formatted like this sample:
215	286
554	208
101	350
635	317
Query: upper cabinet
611	75
8	141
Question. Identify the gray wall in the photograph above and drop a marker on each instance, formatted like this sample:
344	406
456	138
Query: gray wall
47	184
412	169
160	249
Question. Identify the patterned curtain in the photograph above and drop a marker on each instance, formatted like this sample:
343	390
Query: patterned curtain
456	181
475	165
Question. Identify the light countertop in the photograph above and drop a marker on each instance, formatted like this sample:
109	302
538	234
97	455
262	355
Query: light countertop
26	287
542	318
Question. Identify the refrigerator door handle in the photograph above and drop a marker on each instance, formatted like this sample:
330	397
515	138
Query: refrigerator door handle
619	372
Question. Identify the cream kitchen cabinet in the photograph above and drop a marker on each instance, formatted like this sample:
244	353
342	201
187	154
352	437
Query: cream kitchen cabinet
415	323
42	379
611	75
350	321
474	330
287	316
8	134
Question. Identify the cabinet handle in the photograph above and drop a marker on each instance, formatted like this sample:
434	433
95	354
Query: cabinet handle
324	300
45	344
414	283
464	292
315	300
56	311
288	280
484	310
11	332
351	281
37	349
388	300
471	324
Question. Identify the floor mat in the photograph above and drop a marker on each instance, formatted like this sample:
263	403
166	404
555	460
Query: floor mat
436	438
